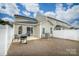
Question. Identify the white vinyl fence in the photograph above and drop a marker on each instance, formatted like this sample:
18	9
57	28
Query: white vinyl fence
6	36
67	34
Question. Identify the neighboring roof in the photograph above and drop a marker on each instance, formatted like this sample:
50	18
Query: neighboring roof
57	20
30	20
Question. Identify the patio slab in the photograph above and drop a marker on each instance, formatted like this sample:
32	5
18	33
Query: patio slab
45	47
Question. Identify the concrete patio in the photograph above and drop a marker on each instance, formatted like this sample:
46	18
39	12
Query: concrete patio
45	47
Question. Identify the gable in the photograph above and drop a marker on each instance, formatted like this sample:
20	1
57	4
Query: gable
46	23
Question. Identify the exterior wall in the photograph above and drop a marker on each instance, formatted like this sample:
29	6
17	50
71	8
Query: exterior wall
37	31
24	27
35	27
16	29
6	36
41	18
47	27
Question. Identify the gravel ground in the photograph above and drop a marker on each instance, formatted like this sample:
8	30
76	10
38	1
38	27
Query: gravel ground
45	47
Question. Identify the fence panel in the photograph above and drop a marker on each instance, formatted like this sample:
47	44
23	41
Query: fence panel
6	36
66	34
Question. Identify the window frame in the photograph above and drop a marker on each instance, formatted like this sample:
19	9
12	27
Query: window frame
43	30
20	30
51	30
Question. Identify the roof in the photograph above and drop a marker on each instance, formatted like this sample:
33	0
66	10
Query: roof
33	20
27	19
57	20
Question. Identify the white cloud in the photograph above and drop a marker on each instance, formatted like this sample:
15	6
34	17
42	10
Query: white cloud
60	12
50	13
32	7
72	13
26	13
75	22
69	4
34	15
14	8
68	15
41	11
10	9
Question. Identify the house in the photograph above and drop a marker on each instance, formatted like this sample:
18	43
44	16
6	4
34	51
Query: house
41	26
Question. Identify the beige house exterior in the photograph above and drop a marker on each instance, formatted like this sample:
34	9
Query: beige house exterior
41	26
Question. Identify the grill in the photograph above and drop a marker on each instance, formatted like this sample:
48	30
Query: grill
23	37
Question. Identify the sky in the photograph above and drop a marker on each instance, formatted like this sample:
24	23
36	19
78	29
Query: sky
66	12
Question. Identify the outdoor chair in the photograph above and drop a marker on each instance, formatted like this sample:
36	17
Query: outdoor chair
16	37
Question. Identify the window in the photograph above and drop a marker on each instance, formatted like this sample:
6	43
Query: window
43	30
20	30
51	30
29	31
